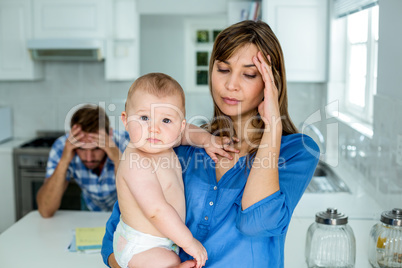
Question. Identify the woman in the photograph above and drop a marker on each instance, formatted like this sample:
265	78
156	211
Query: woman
240	209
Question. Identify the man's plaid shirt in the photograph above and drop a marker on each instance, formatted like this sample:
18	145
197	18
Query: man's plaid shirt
99	192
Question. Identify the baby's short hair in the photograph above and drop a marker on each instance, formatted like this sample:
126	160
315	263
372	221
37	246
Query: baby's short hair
158	84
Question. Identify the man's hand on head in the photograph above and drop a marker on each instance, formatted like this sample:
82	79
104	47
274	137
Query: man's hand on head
79	142
105	142
102	139
73	142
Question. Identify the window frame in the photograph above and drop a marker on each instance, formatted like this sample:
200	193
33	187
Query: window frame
192	47
363	113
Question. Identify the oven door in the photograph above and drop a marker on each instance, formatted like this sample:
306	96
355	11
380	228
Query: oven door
32	179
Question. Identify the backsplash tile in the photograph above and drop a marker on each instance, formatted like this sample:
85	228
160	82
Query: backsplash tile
384	117
48	101
375	158
304	99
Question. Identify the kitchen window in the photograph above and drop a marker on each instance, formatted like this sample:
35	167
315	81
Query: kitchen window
200	35
361	63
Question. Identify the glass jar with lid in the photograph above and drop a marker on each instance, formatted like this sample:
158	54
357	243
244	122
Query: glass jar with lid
385	247
330	241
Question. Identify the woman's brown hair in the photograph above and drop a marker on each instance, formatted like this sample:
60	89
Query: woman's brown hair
227	43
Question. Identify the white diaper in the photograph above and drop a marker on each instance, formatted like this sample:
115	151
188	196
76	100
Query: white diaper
127	242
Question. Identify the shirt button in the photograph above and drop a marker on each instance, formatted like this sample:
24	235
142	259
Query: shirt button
206	218
215	188
211	203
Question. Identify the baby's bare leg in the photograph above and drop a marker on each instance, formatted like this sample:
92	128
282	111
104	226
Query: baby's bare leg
155	258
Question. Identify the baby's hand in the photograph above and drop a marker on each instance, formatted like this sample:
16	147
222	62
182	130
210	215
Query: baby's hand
220	146
198	252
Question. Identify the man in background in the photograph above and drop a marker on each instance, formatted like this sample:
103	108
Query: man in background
90	154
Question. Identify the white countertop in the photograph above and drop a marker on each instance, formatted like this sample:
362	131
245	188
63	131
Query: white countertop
359	204
37	242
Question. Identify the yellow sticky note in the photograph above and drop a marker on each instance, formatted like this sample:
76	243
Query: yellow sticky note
89	237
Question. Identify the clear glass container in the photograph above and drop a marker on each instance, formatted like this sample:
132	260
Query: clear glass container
385	247
330	241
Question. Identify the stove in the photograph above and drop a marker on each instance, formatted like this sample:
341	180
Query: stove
41	142
30	160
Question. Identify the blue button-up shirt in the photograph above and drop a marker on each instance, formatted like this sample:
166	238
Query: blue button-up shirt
254	237
98	192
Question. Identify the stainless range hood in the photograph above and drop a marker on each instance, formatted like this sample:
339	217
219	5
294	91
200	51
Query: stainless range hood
66	49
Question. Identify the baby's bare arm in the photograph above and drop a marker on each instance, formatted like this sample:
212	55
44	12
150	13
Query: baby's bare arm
213	145
195	136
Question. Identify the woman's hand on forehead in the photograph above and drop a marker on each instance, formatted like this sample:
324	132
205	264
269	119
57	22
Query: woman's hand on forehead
269	107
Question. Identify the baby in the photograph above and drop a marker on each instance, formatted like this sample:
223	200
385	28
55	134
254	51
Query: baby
149	178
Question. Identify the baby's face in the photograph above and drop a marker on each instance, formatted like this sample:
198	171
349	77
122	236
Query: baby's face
154	123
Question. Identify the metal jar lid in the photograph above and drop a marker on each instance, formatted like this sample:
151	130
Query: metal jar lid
331	217
393	217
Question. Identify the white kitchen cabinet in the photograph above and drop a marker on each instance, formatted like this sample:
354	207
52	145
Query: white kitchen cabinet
116	22
15	29
301	27
7	199
70	18
122	47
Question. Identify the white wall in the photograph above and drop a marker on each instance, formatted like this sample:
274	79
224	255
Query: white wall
388	102
389	49
162	45
375	158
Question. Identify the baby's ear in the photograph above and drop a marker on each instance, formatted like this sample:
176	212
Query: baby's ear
124	119
183	125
